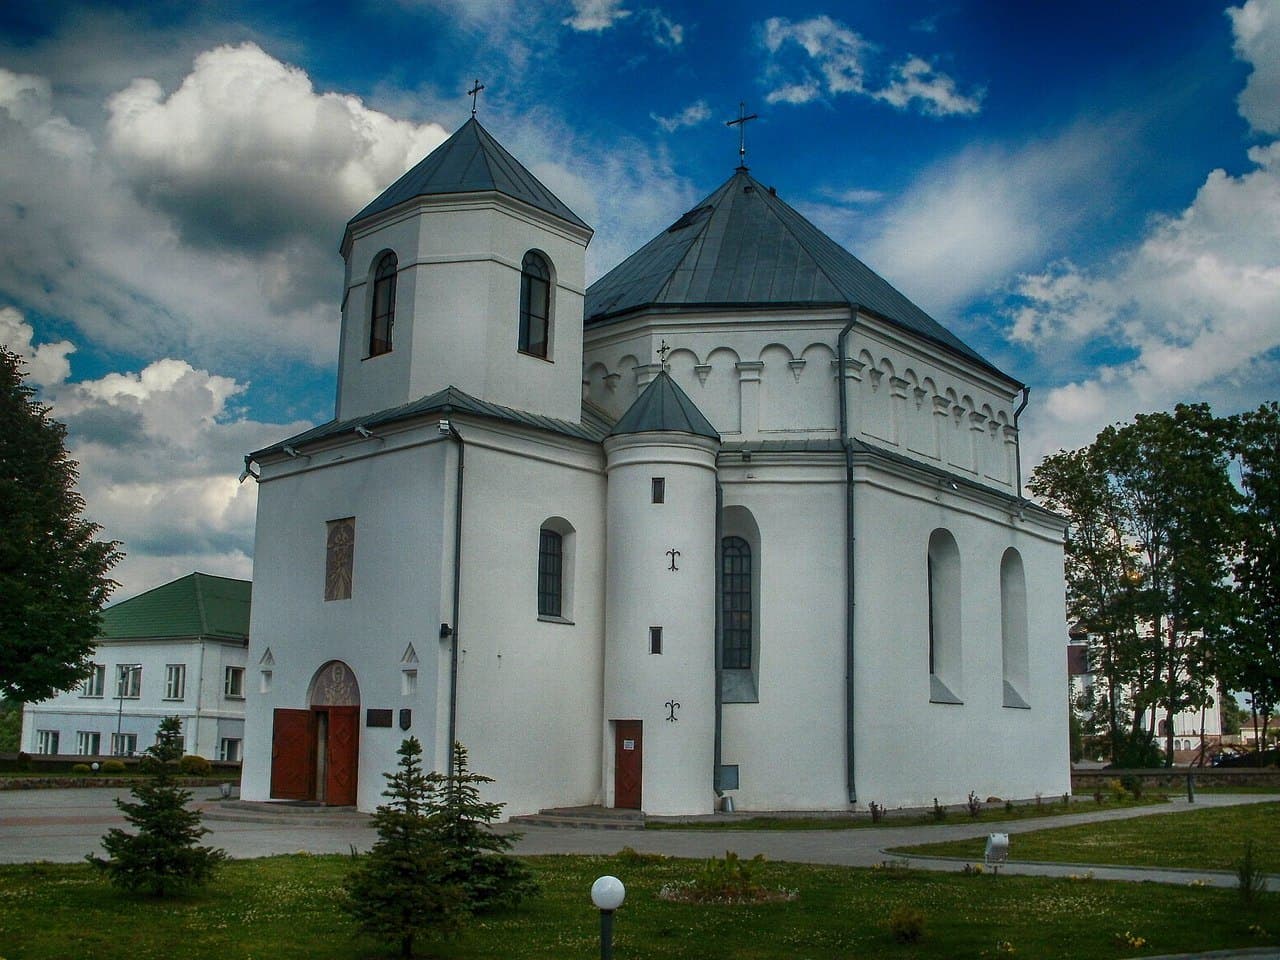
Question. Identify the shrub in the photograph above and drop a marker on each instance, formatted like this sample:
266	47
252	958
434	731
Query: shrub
877	811
81	768
730	881
974	804
398	890
193	765
163	856
1250	880
939	811
475	857
24	761
906	924
1132	784
113	766
631	857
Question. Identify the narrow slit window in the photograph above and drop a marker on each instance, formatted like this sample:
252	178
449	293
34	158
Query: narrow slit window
550	573
659	490
383	313
655	640
535	306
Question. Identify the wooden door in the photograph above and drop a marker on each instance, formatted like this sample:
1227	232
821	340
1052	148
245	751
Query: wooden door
293	747
627	765
343	756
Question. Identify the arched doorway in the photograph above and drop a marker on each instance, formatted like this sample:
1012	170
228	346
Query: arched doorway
315	752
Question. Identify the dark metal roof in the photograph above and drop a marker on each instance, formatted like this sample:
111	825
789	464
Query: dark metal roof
743	247
470	161
594	425
663	406
197	605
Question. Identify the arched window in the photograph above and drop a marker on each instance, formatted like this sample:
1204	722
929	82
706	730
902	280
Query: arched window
383	313
735	600
550	573
1013	629
943	573
557	542
535	305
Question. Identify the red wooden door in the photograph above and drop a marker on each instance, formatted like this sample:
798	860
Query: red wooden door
343	753
293	747
627	766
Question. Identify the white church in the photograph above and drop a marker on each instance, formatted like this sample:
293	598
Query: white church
737	520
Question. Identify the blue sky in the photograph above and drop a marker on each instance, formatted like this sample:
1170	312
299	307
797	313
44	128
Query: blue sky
1088	193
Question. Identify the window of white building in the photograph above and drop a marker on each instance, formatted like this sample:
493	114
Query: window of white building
46	741
124	744
229	749
233	683
129	681
175	681
88	743
95	682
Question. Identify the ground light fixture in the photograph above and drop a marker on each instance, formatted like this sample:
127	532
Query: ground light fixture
607	893
997	851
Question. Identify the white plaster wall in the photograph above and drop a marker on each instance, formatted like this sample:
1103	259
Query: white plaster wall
69	712
393	488
457	308
910	750
530	689
678	756
789	747
772	376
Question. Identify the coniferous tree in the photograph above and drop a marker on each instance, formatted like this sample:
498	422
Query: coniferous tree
399	891
475	855
164	856
53	574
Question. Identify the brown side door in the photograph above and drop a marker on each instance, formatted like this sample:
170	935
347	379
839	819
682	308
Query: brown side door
293	747
627	764
344	742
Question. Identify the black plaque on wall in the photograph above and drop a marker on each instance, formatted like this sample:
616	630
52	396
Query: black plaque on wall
377	718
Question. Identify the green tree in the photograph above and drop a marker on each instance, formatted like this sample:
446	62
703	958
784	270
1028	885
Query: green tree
10	725
164	856
53	573
397	891
475	856
1252	645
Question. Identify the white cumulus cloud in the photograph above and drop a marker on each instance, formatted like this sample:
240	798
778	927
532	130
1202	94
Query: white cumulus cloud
1256	25
823	56
595	16
692	115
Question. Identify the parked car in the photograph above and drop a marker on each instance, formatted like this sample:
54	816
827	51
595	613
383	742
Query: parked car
1250	758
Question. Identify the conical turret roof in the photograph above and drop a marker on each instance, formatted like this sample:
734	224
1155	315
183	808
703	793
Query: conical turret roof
663	406
470	161
743	247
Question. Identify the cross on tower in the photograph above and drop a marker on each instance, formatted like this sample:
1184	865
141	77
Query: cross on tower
663	350
473	93
741	124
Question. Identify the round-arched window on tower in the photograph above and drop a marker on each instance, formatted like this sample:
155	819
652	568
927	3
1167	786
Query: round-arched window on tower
383	313
535	305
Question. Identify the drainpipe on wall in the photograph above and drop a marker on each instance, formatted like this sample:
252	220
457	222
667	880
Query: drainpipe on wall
448	429
847	444
1017	447
717	758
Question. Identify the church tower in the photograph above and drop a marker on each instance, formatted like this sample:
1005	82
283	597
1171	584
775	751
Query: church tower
660	637
465	272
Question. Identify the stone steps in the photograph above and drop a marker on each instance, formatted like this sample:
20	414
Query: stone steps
284	813
591	818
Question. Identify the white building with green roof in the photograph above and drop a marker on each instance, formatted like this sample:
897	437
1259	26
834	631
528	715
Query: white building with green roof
737	520
176	650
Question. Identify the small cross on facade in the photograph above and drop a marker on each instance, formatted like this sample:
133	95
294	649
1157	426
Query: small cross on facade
663	350
741	124
473	93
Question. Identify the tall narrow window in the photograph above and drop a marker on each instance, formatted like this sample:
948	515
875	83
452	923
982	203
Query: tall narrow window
659	490
735	603
383	314
1013	630
942	574
340	548
535	305
129	681
655	640
95	682
175	681
550	573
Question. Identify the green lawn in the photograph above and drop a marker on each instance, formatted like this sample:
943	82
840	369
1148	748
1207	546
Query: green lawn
1210	839
990	813
285	908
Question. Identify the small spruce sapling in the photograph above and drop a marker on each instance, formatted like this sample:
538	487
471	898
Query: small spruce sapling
164	856
399	890
475	856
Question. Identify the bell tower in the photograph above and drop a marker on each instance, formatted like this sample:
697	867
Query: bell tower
466	272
